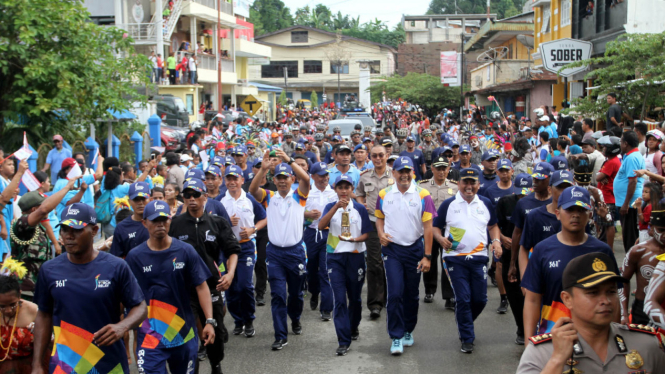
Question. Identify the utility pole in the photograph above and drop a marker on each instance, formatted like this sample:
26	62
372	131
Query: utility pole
286	83
461	85
339	95
219	58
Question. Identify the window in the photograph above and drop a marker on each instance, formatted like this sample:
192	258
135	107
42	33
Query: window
545	28
190	104
276	69
312	67
413	23
375	67
344	69
298	36
565	13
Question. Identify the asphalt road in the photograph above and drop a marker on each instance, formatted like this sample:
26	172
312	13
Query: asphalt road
436	348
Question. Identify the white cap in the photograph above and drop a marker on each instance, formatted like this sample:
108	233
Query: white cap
185	157
539	112
544	118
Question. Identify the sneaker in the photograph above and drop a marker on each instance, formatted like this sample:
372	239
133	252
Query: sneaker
429	298
297	328
314	302
260	301
467	347
342	350
325	316
202	353
408	339
491	273
355	334
375	314
450	304
396	348
279	344
237	330
519	340
503	307
217	369
249	330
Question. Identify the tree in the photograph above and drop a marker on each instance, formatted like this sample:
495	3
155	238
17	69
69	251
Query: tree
338	54
424	89
502	8
634	68
378	33
269	15
58	67
324	16
303	16
282	98
314	98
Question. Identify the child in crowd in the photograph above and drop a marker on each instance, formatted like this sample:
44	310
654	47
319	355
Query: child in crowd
651	191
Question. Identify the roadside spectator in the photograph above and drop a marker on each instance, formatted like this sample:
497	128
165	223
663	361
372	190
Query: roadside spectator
56	156
154	77
171	64
614	112
192	69
628	187
160	69
175	174
589	9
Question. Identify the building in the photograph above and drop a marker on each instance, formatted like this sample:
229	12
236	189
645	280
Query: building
506	68
191	28
429	35
304	54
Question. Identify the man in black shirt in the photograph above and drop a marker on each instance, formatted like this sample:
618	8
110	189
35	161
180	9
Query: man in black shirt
614	113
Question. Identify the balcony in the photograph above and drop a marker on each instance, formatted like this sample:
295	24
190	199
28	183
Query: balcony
496	73
207	10
207	70
246	48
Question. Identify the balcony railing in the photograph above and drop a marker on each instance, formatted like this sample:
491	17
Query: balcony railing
140	32
226	7
210	63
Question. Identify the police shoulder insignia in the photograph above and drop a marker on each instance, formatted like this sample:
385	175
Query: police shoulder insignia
365	171
642	328
423	181
537	339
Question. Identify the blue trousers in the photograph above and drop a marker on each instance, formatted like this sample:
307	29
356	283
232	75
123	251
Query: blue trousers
286	273
317	279
402	282
181	359
468	277
240	296
347	275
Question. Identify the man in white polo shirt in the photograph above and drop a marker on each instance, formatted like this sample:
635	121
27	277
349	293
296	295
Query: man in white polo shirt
285	255
466	218
404	213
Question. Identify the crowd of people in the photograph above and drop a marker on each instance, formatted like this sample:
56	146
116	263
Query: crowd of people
164	251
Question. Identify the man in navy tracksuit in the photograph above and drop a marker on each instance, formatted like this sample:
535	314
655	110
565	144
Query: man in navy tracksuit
285	255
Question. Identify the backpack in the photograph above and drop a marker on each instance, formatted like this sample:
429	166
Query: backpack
104	208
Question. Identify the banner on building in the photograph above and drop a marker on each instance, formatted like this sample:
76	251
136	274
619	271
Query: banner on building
241	8
450	68
559	53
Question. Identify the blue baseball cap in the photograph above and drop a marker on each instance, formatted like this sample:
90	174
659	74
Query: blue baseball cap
446	149
228	160
469	173
410	138
194	184
403	162
139	189
360	146
214	170
366	139
504	163
283	169
319	168
559	163
343	178
156	209
561	176
453	144
523	184
233	170
488	155
542	170
239	150
575	196
337	138
465	149
444	136
78	216
257	163
218	160
196	174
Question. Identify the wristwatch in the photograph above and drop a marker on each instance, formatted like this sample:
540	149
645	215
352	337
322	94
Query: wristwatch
211	321
495	240
292	160
429	257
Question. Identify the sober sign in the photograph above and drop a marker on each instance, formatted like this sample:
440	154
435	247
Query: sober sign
559	53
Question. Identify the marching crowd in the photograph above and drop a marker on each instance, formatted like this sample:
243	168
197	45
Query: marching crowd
164	252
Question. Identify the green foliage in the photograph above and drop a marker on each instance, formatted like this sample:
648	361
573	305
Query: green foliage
58	69
269	16
378	33
424	89
314	98
282	98
632	56
502	8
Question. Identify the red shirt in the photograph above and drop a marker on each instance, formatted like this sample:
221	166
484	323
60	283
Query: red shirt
646	217
610	168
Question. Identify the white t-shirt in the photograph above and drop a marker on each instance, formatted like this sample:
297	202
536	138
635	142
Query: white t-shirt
192	64
317	200
153	59
285	215
648	160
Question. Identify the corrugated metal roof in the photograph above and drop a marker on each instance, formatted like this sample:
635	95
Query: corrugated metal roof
489	29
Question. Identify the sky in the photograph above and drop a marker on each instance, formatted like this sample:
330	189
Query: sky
389	11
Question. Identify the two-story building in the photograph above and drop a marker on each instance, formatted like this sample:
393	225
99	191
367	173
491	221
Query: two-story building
301	63
217	37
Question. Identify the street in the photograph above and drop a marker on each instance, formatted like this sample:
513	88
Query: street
436	348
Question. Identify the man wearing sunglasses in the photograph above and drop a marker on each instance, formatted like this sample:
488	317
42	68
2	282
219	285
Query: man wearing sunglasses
56	156
214	240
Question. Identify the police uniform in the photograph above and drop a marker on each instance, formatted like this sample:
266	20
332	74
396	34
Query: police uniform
439	194
427	150
289	149
369	186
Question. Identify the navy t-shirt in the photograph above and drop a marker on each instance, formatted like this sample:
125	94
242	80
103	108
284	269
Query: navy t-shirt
213	207
83	298
166	278
544	273
494	192
540	225
127	235
458	165
418	160
524	206
486	182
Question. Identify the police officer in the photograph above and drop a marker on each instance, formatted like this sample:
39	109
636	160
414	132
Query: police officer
440	188
588	341
371	183
289	146
427	146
